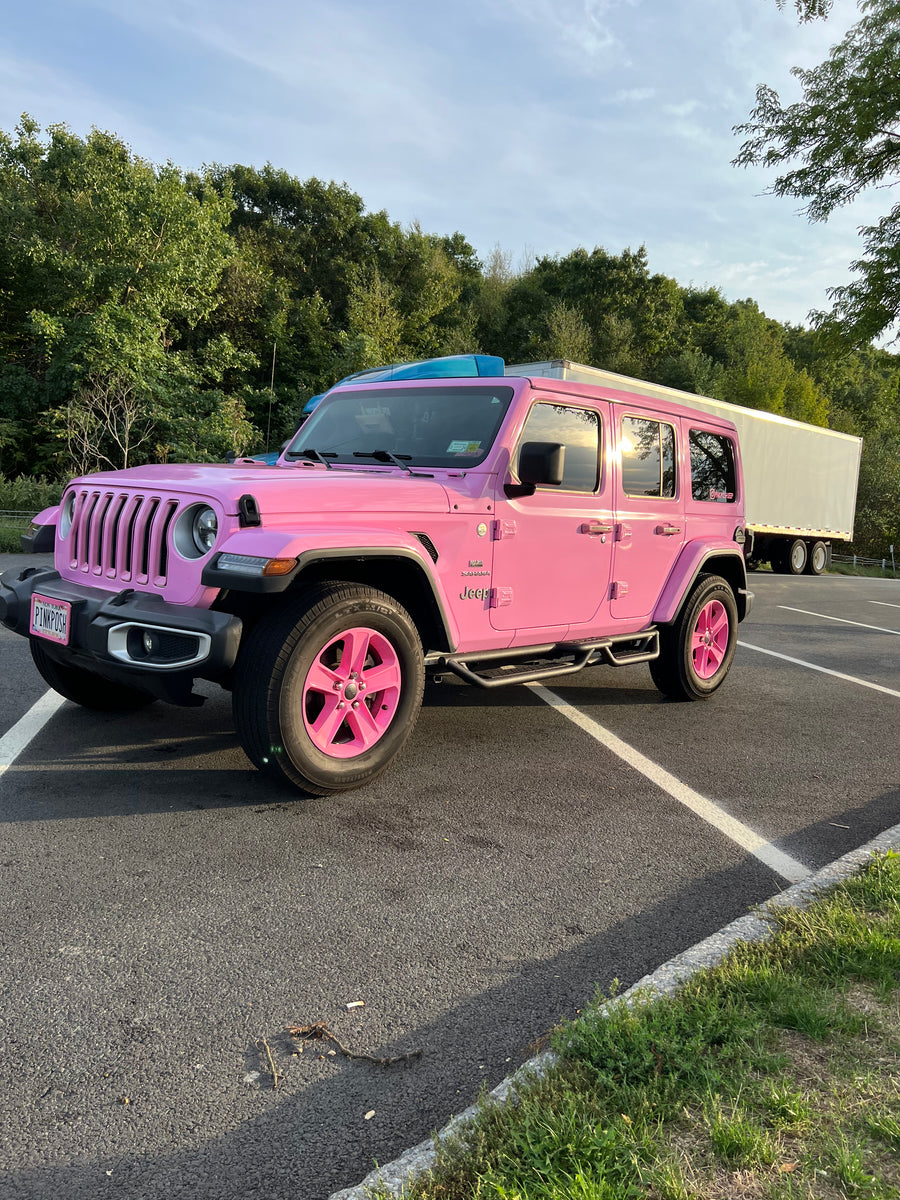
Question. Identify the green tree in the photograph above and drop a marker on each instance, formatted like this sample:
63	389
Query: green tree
374	333
839	140
334	288
808	10
565	335
877	523
108	264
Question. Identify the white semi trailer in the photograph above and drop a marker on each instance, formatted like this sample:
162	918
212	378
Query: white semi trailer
800	480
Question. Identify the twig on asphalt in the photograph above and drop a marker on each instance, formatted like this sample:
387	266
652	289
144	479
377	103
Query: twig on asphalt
318	1029
276	1075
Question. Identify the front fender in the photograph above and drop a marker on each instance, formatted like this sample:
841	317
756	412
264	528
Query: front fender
41	535
314	542
312	546
713	557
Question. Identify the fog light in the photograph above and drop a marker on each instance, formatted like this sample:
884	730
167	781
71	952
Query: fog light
148	641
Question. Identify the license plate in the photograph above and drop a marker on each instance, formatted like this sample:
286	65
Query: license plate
50	618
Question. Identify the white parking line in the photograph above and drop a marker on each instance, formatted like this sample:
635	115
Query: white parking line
886	603
842	620
876	687
783	865
17	738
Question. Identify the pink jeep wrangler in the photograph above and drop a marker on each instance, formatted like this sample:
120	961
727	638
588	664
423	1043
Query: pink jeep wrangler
502	529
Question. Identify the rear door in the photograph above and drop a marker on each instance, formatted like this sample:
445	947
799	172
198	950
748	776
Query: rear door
650	510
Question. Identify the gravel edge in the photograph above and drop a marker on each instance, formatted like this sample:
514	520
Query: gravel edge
754	927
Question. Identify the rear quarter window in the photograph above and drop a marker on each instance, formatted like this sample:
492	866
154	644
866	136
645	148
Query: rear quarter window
713	474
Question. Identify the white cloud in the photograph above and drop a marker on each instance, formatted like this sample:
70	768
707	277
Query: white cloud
634	96
682	110
582	32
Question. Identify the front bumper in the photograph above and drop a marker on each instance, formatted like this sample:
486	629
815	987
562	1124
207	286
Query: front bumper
106	634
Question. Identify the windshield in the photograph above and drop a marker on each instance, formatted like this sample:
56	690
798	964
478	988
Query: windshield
431	427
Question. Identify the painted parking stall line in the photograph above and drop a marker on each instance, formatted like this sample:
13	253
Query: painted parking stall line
885	603
27	728
782	864
840	620
800	662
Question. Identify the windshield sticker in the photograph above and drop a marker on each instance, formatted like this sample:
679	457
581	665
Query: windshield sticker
464	448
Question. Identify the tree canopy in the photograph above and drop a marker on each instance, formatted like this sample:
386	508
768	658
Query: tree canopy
842	138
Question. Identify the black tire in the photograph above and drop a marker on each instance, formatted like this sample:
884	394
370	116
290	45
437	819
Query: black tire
84	687
796	557
818	559
276	705
680	670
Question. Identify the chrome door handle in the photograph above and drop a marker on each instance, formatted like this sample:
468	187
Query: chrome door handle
667	530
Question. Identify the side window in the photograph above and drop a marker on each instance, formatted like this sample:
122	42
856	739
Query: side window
648	458
578	429
713	475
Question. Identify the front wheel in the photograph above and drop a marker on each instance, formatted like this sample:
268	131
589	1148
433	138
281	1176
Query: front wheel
695	652
328	690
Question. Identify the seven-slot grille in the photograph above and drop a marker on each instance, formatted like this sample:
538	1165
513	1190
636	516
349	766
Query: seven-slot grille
121	535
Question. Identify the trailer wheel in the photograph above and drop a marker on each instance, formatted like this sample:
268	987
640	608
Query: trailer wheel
797	557
327	691
818	558
695	653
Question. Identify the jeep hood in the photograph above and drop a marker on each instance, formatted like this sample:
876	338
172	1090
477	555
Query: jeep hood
283	491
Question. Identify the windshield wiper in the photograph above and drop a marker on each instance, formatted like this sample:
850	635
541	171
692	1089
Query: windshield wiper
312	455
397	460
385	456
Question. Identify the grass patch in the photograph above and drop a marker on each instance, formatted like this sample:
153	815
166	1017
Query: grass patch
865	572
26	495
774	1075
9	538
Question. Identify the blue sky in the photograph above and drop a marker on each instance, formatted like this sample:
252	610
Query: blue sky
533	125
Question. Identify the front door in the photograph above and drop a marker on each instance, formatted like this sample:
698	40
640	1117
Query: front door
553	550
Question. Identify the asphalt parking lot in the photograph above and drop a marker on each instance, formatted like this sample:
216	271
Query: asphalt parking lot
168	913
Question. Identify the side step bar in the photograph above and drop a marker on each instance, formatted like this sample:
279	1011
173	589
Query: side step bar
496	668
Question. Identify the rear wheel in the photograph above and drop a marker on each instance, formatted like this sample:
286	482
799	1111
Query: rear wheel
818	558
84	687
328	690
797	557
695	653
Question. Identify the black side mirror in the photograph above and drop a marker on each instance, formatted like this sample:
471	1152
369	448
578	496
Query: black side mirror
540	464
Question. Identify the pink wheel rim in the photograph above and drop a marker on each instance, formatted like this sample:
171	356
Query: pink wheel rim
709	641
351	693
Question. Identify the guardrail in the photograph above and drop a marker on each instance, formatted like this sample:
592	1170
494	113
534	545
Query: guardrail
887	565
13	523
16	518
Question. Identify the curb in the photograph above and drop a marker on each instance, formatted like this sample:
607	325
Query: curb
394	1176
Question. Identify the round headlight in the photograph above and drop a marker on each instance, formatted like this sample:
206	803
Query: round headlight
204	528
66	514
